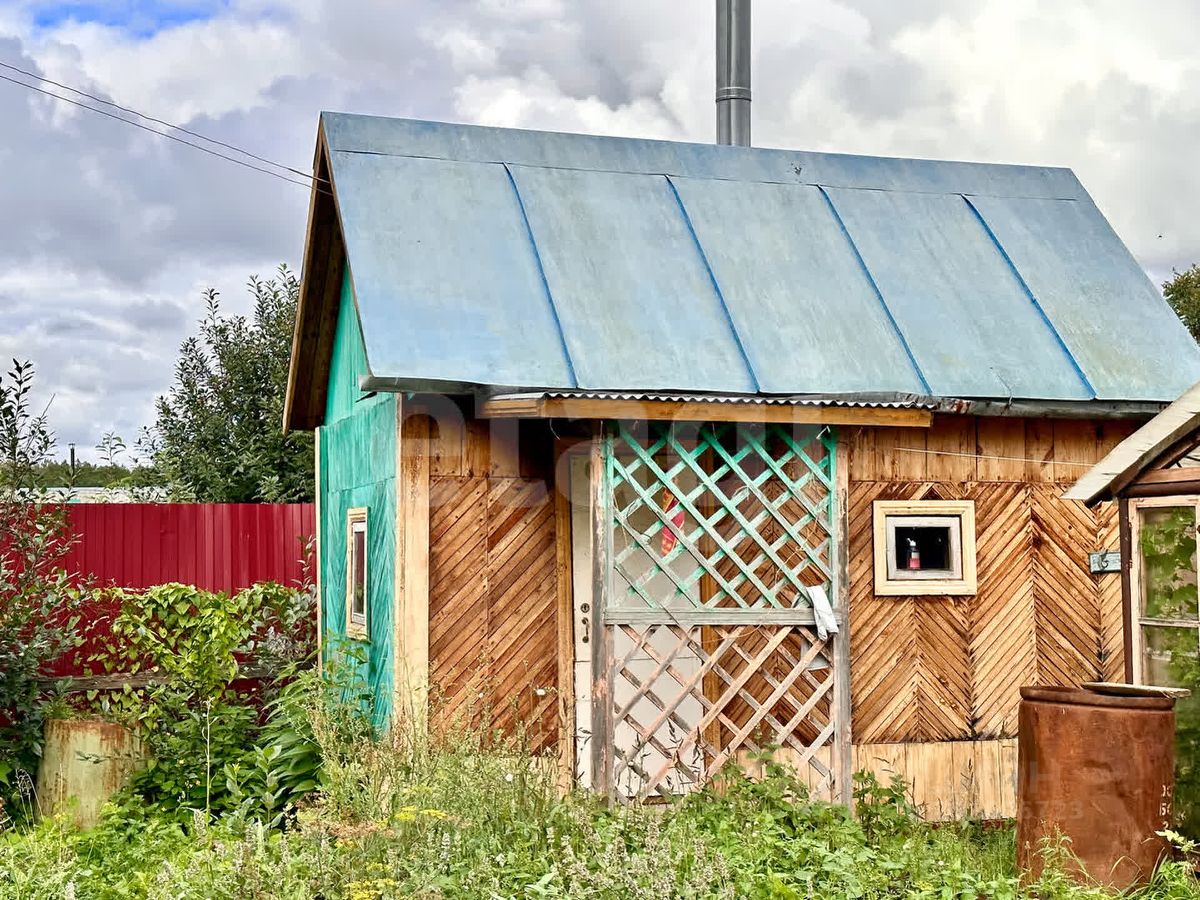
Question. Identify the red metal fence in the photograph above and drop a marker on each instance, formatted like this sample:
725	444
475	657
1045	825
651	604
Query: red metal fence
215	546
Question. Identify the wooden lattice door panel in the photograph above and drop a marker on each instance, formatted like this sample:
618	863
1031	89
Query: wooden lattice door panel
710	540
682	709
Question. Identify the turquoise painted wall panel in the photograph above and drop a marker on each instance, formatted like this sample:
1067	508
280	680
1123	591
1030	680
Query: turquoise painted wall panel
348	364
358	469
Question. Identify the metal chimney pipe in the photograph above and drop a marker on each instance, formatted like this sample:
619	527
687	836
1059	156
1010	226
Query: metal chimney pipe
733	72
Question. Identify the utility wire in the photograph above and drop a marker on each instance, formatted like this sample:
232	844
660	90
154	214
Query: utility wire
1026	459
140	115
163	134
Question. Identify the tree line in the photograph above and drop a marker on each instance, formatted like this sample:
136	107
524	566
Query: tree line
217	435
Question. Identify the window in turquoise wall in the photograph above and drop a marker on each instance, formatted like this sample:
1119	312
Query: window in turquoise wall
356	575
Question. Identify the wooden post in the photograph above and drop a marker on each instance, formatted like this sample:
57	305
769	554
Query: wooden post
411	620
843	739
318	561
1127	586
601	704
563	498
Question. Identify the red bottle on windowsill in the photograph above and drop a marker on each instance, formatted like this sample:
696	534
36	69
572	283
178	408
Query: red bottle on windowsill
914	555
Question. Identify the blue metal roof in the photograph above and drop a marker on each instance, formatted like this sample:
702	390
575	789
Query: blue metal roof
527	259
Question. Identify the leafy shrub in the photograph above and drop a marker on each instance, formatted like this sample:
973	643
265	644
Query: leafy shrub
209	746
34	585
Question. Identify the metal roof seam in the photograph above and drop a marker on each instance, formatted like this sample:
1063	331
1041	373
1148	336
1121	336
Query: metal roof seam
878	293
1029	293
712	277
537	256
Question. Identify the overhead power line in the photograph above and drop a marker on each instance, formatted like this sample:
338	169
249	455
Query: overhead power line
141	115
163	134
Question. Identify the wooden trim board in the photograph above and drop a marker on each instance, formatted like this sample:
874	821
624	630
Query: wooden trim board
317	560
842	693
359	631
410	647
700	411
566	612
317	306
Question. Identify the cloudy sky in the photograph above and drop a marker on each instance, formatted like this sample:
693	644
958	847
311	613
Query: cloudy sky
108	234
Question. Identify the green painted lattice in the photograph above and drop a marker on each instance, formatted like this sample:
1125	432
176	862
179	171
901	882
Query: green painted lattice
747	507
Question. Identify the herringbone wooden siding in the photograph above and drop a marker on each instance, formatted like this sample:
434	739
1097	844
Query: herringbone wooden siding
492	605
950	668
493	645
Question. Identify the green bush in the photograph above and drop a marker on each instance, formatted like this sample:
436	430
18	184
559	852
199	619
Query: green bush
35	588
211	746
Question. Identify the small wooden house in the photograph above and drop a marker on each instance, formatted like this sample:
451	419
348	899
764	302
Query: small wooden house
1154	476
666	453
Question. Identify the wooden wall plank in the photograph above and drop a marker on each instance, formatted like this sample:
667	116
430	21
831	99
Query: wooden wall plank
951	446
1039	450
950	668
1077	447
458	615
448	441
949	779
861	442
1003	653
1108	584
934	670
1112	433
504	457
883	653
899	454
1001	447
477	447
1066	595
884	761
496	586
1008	774
987	778
943	698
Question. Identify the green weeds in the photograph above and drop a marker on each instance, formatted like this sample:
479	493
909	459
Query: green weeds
471	816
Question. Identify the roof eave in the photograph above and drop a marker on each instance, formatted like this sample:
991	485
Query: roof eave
316	310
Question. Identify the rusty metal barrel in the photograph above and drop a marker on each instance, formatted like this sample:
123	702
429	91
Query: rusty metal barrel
1099	771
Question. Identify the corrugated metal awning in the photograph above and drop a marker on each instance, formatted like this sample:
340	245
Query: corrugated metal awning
914	402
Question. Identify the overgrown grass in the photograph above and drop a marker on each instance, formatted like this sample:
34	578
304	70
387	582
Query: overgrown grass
473	818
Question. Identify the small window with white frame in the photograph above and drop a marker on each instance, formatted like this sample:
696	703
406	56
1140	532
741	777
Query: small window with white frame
356	573
924	547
